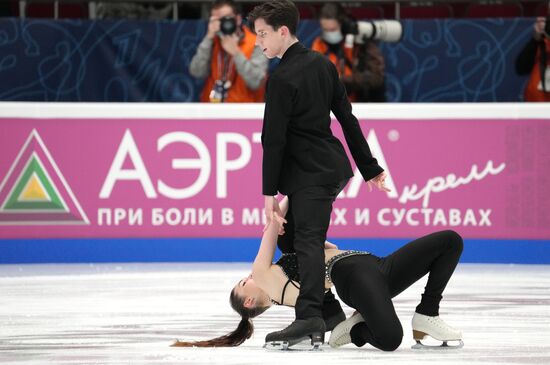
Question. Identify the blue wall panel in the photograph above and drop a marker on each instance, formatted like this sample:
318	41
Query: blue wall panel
437	60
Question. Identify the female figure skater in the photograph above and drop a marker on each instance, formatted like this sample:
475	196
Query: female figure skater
362	280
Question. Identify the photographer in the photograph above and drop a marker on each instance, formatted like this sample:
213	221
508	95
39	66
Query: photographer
234	68
534	59
361	66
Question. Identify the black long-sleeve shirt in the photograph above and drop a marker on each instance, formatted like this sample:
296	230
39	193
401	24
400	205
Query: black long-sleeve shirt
299	147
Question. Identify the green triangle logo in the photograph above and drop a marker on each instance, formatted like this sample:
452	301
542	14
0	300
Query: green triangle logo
34	191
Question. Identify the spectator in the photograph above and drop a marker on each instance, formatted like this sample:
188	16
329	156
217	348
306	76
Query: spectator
534	60
234	68
361	67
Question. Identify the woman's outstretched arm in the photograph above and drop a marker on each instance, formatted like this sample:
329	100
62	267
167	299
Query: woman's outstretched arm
264	258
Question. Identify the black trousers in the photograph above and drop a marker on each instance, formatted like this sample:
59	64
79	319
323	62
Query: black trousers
368	283
308	220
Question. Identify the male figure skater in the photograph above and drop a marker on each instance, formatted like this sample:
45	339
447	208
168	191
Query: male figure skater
301	157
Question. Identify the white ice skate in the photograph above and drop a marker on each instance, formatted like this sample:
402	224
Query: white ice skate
340	335
437	329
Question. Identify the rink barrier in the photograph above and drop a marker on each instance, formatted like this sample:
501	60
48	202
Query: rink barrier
40	251
84	174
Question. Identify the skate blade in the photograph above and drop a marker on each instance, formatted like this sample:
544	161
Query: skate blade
303	344
446	345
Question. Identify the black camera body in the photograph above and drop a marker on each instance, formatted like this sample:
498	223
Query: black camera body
349	26
228	25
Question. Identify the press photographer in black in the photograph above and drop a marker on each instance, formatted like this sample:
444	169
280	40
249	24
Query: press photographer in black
234	69
534	60
352	47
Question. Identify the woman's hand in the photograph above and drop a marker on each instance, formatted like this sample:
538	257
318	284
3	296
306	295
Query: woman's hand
280	222
329	245
273	213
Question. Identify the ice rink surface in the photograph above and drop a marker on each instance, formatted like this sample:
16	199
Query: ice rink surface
131	313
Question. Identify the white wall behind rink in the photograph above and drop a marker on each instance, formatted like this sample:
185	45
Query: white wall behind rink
241	111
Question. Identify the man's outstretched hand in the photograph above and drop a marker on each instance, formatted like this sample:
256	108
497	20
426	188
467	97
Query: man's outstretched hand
379	182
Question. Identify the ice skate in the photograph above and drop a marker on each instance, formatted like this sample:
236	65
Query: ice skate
302	334
340	335
437	329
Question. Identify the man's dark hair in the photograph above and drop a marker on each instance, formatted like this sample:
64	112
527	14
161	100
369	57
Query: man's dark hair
276	13
219	3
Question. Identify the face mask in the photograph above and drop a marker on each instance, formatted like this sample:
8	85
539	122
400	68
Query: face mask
333	37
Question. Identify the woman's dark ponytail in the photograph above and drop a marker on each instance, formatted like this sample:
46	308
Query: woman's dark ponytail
243	332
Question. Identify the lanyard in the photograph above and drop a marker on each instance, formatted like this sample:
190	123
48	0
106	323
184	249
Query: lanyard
225	66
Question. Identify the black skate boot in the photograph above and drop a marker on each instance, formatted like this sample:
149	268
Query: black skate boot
311	331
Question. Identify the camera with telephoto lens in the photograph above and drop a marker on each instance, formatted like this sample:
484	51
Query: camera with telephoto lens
228	25
379	30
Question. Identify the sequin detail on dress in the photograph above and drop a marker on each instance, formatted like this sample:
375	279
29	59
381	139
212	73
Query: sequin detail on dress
289	263
334	259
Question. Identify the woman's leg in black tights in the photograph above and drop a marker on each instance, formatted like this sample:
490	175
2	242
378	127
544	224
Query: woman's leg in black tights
361	285
437	254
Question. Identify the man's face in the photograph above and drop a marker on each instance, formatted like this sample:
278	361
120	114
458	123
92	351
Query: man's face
269	40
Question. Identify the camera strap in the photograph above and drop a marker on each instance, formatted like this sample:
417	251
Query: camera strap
225	66
338	51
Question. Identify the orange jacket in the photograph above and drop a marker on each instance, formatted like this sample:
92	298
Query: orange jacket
239	92
532	91
342	65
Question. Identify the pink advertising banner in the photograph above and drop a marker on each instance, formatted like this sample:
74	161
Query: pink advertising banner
121	177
